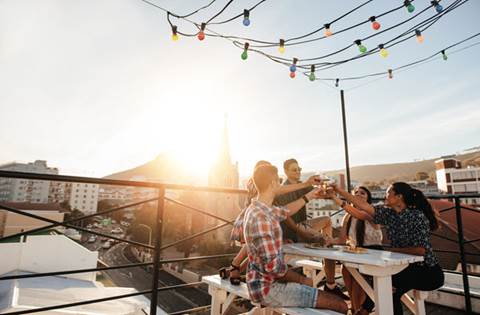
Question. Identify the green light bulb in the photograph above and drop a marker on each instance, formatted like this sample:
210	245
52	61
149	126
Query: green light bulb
311	77
410	8
362	49
244	55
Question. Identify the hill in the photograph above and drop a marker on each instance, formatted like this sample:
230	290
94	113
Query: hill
403	171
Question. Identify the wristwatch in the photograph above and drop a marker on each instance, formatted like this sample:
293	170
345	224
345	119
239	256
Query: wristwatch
305	199
343	204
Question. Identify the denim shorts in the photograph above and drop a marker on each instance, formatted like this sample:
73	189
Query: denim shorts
290	294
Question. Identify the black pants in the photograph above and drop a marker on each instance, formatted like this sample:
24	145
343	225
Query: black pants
415	276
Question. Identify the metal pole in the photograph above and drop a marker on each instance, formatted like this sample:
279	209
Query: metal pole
461	244
156	251
345	142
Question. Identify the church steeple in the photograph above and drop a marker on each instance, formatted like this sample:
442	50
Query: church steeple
224	156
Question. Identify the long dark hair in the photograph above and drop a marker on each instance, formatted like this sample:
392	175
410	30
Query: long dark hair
416	199
360	226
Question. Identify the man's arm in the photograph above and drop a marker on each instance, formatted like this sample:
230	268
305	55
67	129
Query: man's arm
294	187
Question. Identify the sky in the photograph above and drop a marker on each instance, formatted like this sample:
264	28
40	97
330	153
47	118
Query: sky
98	86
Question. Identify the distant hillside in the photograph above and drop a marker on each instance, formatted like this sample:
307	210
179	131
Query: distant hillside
403	171
163	168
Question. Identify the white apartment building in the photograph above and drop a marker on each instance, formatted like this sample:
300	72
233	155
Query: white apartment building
24	190
453	179
83	197
322	207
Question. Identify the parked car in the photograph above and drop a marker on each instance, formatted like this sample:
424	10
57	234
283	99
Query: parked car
92	239
117	230
106	245
89	226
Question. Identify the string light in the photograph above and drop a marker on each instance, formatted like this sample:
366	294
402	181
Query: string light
444	55
419	36
201	34
336	82
174	33
383	51
244	54
375	24
311	77
390	73
410	7
246	17
293	68
361	48
328	32
281	47
437	6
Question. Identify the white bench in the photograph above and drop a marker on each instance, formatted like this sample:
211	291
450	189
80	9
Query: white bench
314	270
224	293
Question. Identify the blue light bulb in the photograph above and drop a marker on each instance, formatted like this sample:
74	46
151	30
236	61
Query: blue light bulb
439	8
293	68
246	21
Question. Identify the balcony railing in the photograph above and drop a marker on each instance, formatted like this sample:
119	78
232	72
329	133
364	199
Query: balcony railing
157	246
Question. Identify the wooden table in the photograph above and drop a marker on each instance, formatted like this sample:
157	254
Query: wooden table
377	263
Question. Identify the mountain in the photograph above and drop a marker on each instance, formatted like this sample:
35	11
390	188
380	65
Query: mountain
164	168
404	171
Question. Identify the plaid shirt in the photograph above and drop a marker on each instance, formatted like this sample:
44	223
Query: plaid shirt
263	238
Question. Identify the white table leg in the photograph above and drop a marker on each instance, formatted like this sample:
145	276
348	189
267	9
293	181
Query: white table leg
420	297
383	295
218	298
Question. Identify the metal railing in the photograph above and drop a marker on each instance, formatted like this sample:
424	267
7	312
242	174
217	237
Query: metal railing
157	247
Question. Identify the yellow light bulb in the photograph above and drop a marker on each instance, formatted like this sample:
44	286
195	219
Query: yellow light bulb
281	49
174	37
383	53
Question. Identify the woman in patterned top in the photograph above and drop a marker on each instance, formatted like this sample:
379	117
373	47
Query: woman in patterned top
408	218
362	233
239	262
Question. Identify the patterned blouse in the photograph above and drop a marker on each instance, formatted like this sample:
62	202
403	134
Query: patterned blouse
237	230
409	228
263	238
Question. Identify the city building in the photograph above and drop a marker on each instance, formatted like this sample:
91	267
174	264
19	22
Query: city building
428	187
13	223
83	197
453	179
223	173
24	190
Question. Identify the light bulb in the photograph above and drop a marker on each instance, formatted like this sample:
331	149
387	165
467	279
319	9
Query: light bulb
311	77
375	24
410	7
383	51
444	55
293	68
244	54
201	34
419	36
174	33
292	74
328	32
361	48
246	17
281	47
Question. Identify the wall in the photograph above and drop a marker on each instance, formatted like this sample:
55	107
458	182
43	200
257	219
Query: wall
16	223
47	253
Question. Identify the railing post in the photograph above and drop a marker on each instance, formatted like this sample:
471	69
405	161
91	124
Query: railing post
345	141
156	251
461	244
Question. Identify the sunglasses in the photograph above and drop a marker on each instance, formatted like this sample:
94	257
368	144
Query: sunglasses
296	169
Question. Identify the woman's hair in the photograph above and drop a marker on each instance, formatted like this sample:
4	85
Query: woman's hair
416	199
360	226
261	162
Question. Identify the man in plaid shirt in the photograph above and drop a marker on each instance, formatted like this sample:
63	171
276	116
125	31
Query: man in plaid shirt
269	280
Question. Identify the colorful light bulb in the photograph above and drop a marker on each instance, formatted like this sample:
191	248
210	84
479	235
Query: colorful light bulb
390	73
444	55
328	32
383	51
246	17
293	67
437	6
292	75
201	34
281	47
375	24
174	33
410	7
244	54
361	48
336	82
311	77
419	36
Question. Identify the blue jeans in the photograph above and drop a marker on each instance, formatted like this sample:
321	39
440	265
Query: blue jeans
290	294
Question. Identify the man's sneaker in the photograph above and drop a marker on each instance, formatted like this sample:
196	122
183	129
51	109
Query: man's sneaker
336	291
